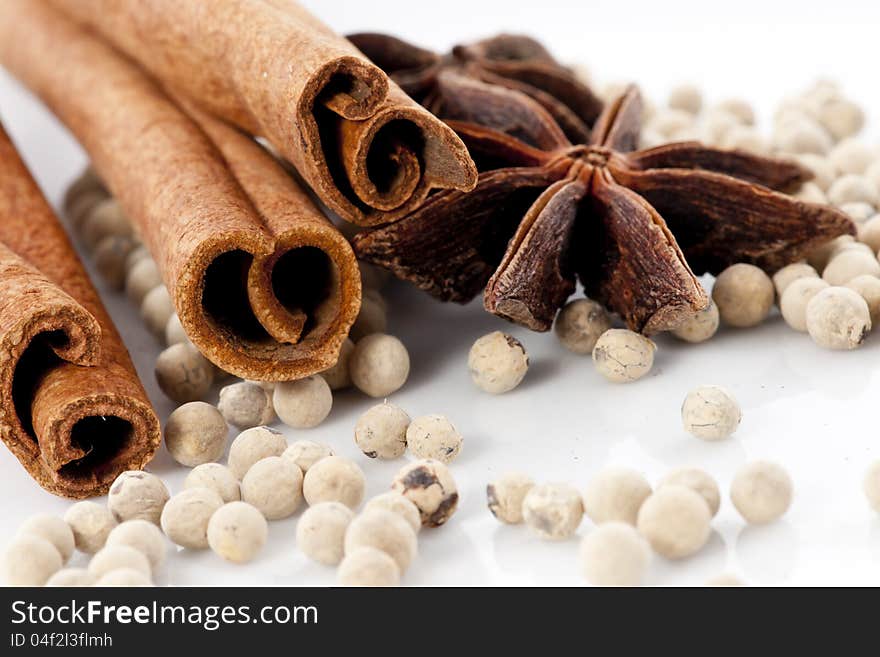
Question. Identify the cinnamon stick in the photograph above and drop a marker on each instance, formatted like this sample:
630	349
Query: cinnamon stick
368	151
72	409
264	285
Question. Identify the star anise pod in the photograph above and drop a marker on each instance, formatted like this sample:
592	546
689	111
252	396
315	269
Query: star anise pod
507	60
632	225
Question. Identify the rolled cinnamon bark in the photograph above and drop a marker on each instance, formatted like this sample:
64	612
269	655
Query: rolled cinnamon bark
369	151
72	409
264	285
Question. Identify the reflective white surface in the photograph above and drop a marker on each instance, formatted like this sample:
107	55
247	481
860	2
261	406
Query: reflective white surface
811	410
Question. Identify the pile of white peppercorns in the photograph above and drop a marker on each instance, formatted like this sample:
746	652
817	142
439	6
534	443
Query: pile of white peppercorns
385	431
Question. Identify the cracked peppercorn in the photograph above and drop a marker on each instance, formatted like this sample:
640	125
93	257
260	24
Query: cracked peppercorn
623	356
710	413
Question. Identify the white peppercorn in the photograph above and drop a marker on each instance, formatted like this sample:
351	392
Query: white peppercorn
687	98
699	326
254	444
871	486
505	496
868	287
793	303
337	377
105	219
110	254
274	486
616	494
675	520
823	171
761	491
669	122
30	561
838	318
71	577
434	437
137	494
744	294
841	117
141	535
379	365
497	362
196	434
858	212
698	481
112	557
811	193
397	503
334	479
303	404
384	531
183	374
306	453
124	577
580	323
91	524
156	310
852	188
738	108
869	233
820	256
848	264
371	319
614	554
716	124
216	477
320	532
186	515
368	566
790	273
136	255
245	405
851	156
237	532
710	413
429	485
142	277
623	356
747	138
802	136
174	333
872	173
553	511
53	529
382	431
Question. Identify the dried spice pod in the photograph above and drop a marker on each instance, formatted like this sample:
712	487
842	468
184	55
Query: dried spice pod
633	226
72	409
262	282
370	152
511	61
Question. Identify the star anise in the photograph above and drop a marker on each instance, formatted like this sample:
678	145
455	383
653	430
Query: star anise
632	225
507	60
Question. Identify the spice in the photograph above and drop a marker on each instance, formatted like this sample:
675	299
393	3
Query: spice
110	255
237	532
858	212
124	577
623	356
457	244
761	491
434	437
379	365
793	303
174	333
371	319
686	97
397	503
156	310
675	521
215	477
553	511
137	494
303	404
183	374
872	486
497	362
580	323
334	479
614	554
616	494
142	277
320	532
505	496
245	405
143	536
382	431
186	515
383	530
868	287
274	486
851	188
744	295
838	318
429	485
823	171
71	577
195	434
306	453
53	529
111	557
869	233
29	561
106	219
699	326
137	254
710	413
254	444
91	524
368	566
789	274
337	377
848	264
698	481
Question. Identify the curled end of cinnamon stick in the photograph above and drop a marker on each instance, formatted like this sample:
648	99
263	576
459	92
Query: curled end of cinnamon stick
348	86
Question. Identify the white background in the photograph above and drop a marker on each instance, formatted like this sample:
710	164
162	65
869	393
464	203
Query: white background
811	410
